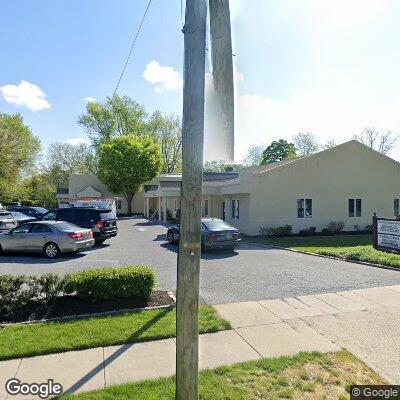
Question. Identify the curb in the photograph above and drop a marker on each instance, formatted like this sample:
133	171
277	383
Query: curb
324	256
100	314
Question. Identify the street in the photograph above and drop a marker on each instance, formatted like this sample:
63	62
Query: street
249	273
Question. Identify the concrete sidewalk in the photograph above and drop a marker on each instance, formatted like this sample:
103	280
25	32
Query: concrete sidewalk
366	322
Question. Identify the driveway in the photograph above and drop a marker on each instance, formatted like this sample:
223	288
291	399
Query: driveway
250	273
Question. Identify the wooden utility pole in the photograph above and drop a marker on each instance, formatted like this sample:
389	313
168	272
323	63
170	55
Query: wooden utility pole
187	340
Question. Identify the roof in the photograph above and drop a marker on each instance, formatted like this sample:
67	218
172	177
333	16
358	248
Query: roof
219	176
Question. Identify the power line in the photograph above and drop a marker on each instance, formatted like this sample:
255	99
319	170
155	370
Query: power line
133	45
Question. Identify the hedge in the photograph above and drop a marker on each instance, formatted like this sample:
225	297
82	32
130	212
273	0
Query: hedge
16	291
111	283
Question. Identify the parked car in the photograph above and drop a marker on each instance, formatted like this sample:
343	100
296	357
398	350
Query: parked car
21	218
103	222
215	233
50	238
7	221
34	212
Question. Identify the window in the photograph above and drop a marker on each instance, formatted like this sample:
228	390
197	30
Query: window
40	228
355	208
304	208
206	207
119	204
66	214
396	207
22	229
235	209
51	216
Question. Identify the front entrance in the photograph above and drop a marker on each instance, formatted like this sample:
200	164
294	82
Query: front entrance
223	210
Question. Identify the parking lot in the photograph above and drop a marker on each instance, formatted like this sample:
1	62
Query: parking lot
249	273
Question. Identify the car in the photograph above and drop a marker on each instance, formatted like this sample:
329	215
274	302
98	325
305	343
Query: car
50	238
215	233
103	222
22	218
34	212
7	221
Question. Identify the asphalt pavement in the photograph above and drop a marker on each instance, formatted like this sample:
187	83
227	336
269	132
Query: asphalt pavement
249	273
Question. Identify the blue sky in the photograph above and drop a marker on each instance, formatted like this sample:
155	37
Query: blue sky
329	67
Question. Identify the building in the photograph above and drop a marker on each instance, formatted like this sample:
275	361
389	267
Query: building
346	183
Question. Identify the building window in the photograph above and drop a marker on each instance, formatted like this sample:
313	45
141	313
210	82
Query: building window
396	207
119	204
355	208
304	208
206	207
235	209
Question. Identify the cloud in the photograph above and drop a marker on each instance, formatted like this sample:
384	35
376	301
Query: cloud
166	78
327	114
25	94
89	99
77	141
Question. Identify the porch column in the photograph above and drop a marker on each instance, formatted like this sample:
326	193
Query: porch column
165	208
145	212
159	208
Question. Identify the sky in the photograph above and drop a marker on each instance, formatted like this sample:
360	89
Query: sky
320	66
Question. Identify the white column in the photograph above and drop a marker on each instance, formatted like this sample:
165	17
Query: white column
165	208
159	208
144	207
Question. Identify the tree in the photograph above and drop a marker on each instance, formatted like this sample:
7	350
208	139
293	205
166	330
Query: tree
220	166
118	115
65	159
380	141
305	143
253	156
19	149
167	131
278	151
329	144
128	161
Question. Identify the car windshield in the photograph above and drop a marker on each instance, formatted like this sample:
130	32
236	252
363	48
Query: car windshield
66	226
40	210
4	216
216	224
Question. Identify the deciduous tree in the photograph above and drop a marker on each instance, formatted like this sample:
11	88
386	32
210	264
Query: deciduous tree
380	141
128	161
278	150
305	143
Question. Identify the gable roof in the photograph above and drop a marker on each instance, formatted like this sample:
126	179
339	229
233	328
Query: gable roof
262	169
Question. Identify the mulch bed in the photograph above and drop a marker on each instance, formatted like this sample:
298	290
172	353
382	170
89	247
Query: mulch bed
74	305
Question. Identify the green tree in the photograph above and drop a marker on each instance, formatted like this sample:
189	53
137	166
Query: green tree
167	132
19	149
118	115
305	143
277	151
128	161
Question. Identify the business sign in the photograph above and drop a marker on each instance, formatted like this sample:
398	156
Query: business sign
386	234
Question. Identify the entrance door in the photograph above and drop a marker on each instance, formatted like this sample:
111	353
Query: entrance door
223	210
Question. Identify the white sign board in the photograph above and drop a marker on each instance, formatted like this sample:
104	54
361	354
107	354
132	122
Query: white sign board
388	234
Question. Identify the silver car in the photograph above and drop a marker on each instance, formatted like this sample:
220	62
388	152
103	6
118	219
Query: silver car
7	221
48	237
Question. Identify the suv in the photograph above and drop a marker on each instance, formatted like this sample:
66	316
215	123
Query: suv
102	222
34	212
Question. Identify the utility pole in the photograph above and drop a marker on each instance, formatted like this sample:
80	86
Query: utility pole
187	339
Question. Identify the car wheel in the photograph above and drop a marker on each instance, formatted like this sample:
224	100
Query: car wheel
51	250
170	237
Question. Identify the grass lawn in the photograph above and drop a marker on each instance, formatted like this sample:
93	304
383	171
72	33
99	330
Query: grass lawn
55	337
304	376
347	247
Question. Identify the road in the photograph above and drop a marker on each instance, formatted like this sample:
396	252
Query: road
250	273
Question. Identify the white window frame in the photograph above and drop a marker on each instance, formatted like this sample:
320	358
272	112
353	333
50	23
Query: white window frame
304	200
355	207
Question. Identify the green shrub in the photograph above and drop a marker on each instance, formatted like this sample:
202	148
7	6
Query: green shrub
326	232
308	232
110	283
335	227
368	228
277	231
313	230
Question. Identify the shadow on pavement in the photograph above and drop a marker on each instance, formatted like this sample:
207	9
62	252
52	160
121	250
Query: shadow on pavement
205	255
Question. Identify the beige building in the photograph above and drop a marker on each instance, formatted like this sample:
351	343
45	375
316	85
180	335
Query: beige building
346	183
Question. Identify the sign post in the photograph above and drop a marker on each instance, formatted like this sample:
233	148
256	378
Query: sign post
386	234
